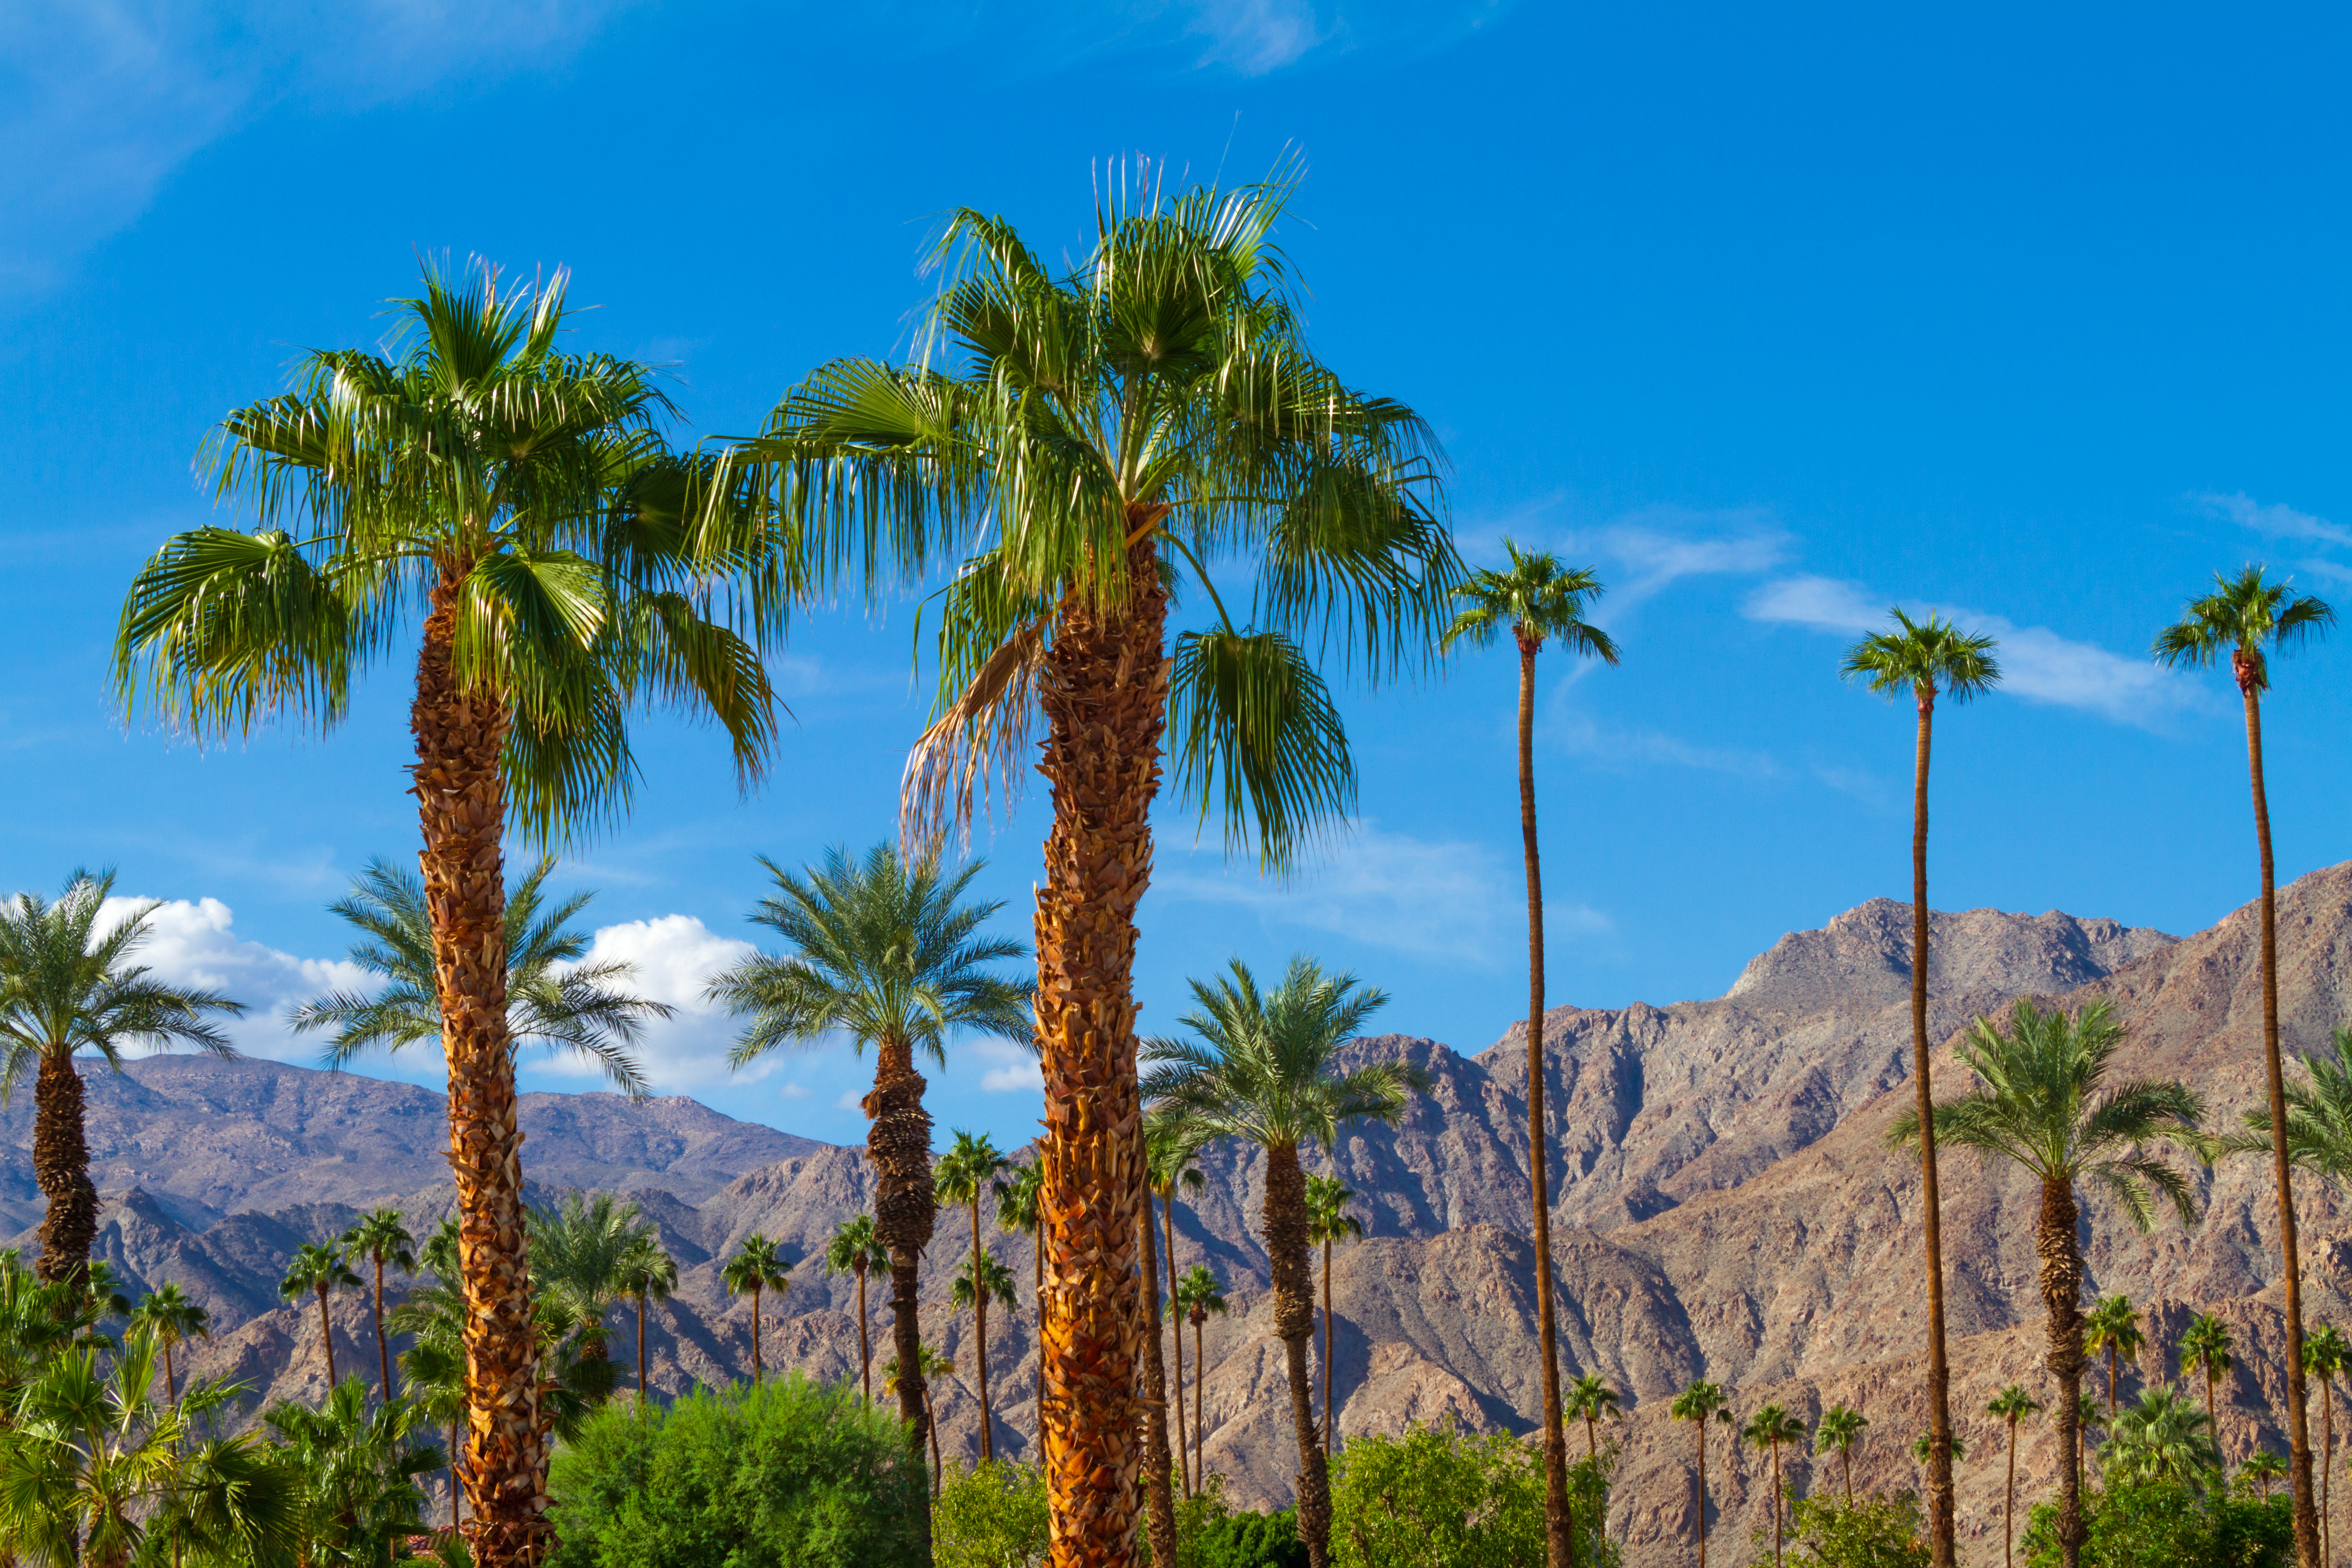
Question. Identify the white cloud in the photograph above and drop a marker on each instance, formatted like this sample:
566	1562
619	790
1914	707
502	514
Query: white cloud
1821	603
1660	545
2276	521
1254	37
1581	735
1012	1068
194	944
851	1099
673	958
1393	890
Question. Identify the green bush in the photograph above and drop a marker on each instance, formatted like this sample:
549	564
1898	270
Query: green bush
1245	1540
990	1515
2172	1524
1871	1531
784	1473
1439	1497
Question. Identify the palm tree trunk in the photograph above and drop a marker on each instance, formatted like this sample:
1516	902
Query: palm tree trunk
865	1352
1701	1425
454	1487
1329	1379
757	1371
641	1354
461	807
1176	1336
1939	1377
2008	1504
906	1210
1104	692
327	1335
170	1377
2212	1422
1776	1502
61	1166
2298	1421
1200	1401
932	1426
2061	1271
979	1327
1558	1525
1845	1457
1160	1507
2326	1469
1294	1325
383	1345
2114	1368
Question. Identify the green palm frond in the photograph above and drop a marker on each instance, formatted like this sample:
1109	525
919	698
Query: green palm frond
2242	616
586	1251
1249	709
1537	598
995	1283
1924	657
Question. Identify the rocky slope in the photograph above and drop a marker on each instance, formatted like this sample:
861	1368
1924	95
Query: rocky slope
1728	1210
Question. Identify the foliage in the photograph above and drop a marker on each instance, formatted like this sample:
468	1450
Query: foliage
1537	598
1871	1531
1439	1497
581	1253
754	1476
358	1469
2167	1522
1924	657
2163	1436
990	1515
1244	1540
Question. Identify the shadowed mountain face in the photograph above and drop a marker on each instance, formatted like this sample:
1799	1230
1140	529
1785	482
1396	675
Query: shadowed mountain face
1726	1209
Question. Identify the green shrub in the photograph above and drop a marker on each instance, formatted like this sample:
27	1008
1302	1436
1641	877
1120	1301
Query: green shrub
1439	1497
2170	1524
784	1473
990	1515
1246	1540
1871	1531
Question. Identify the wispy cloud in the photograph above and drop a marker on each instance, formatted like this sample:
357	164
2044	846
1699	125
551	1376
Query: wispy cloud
193	943
1254	37
1656	547
1581	735
2275	521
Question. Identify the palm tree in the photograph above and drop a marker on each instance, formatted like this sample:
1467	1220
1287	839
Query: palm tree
579	1255
1593	1401
359	1469
67	984
1840	1431
1083	439
2042	1101
1769	1427
648	1273
554	998
1170	1147
888	952
2162	1437
852	1248
168	1314
1261	1071
1017	1214
1329	1221
2243	614
2009	1406
2206	1345
521	502
2325	1353
929	1365
2111	1328
980	1279
1538	599
381	1236
757	1267
1927	658
1698	1403
961	1176
2263	1468
1197	1296
317	1270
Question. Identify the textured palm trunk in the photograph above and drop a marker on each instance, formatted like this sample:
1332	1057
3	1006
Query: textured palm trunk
865	1352
2213	1423
2326	1469
383	1345
2246	665
1776	1503
979	1325
931	1426
1160	1507
641	1354
2061	1277
758	1372
1294	1325
1845	1462
171	1375
327	1335
1200	1400
1559	1526
461	807
906	1210
2008	1504
1103	691
61	1166
1940	1376
1701	1425
1175	1336
1330	1377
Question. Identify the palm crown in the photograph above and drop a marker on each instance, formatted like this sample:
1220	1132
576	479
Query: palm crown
1925	658
853	1247
969	1168
581	1252
647	1271
2112	1323
2318	1119
758	1265
2162	1437
995	1281
1198	1293
1774	1424
1327	1219
2206	1345
1840	1428
2241	615
1537	598
2014	1405
1699	1401
381	1236
552	998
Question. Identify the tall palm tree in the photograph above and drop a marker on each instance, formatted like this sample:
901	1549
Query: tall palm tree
1197	1297
853	1250
381	1236
554	999
1841	1429
1017	1214
888	952
757	1268
2162	1437
1769	1427
67	984
1591	1401
2263	1467
2042	1101
648	1274
962	1175
979	1280
1928	659
517	504
1061	447
1698	1403
2206	1345
1172	1147
2248	617
2326	1354
168	1314
1329	1221
2009	1406
1261	1070
2111	1328
1537	599
930	1366
579	1255
318	1270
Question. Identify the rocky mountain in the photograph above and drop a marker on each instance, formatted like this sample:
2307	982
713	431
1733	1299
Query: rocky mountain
1727	1209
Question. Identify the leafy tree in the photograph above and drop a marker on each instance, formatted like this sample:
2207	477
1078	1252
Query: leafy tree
67	984
2244	615
1591	1401
1868	1532
379	1237
2206	1345
963	1175
318	1270
1262	1070
2042	1101
990	1515
1538	599
757	1267
168	1314
519	504
1249	1540
648	1273
1198	1296
888	952
1698	1403
2009	1406
580	1254
980	1279
853	1250
1439	1497
2134	1524
2111	1328
1840	1428
1076	444
1928	659
359	1470
1769	1427
1329	1221
2162	1437
929	1365
1017	1214
2262	1467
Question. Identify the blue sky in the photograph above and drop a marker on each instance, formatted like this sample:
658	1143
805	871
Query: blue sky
1776	317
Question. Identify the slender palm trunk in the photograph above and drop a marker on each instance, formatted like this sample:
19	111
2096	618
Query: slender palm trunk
327	1335
864	1351
1845	1460
932	1426
383	1345
1160	1506
2326	1469
61	1166
641	1352
1330	1377
2212	1422
906	1210
1200	1400
979	1327
1776	1503
1104	693
1939	1378
461	807
1175	1335
2115	1369
757	1371
170	1377
2008	1504
1701	1425
1294	1325
2061	1278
